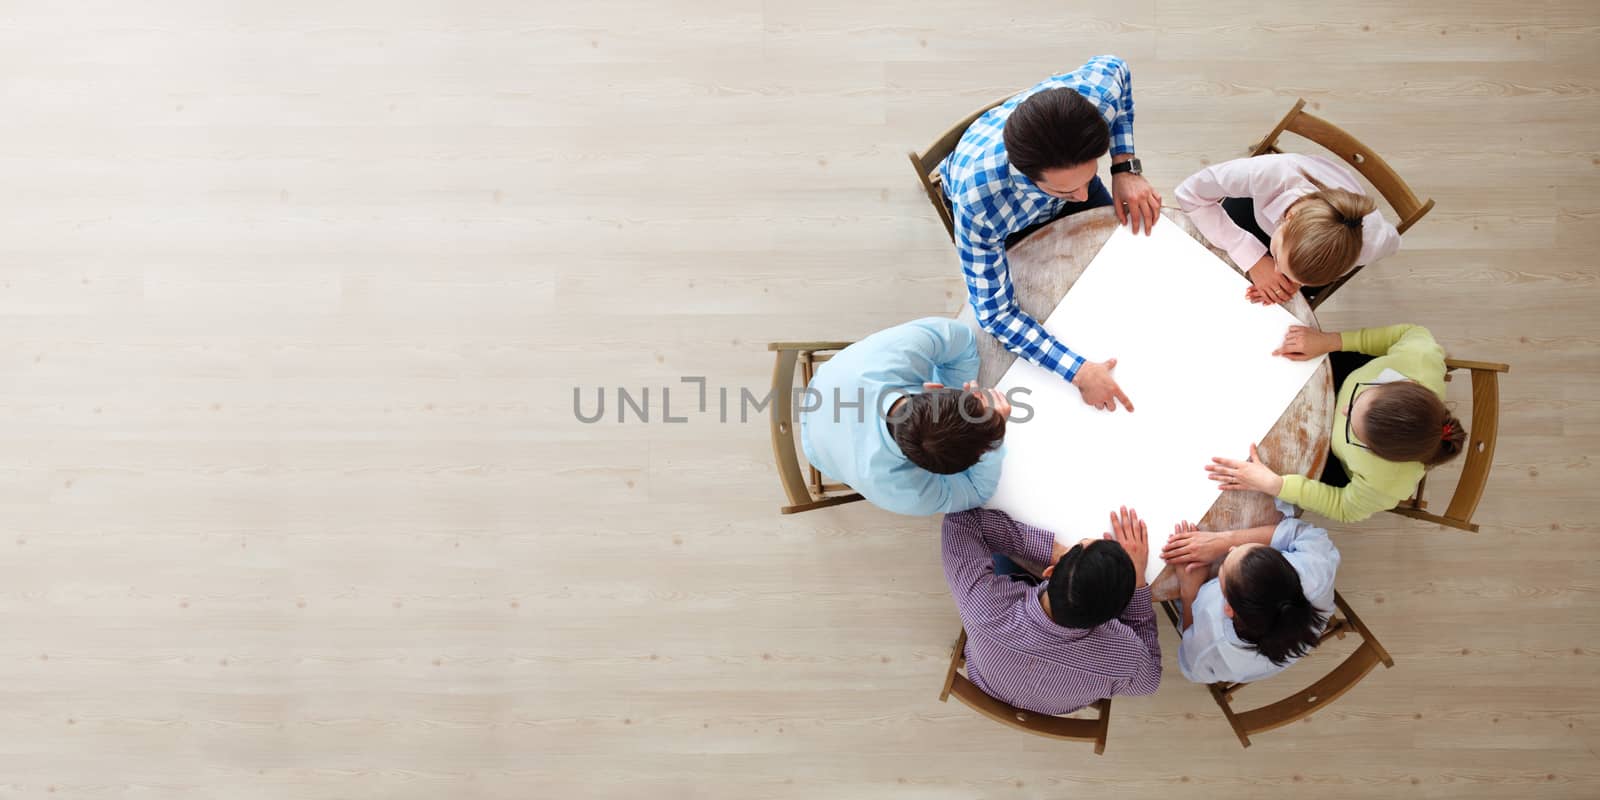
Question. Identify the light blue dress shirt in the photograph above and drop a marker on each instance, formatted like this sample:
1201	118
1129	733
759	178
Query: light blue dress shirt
1211	651
852	445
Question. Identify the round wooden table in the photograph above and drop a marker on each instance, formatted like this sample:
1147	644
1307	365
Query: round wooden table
1046	264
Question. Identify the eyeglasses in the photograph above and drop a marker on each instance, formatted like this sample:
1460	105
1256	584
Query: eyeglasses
1350	412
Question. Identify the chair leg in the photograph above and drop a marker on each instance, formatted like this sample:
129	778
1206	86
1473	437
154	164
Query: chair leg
823	503
1104	707
1471	527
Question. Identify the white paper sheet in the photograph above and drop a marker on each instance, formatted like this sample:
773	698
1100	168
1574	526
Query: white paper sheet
1196	360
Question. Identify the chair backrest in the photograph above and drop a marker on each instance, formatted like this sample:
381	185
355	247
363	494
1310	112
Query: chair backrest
1479	456
1051	727
1367	162
927	162
1407	207
802	485
1313	698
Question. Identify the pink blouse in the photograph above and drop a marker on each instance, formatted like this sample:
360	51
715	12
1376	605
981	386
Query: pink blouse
1274	182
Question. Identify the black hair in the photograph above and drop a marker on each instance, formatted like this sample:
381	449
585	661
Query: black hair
946	431
1053	129
1271	613
1090	585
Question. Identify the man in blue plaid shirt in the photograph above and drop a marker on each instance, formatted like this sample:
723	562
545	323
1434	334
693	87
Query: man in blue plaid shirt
1031	160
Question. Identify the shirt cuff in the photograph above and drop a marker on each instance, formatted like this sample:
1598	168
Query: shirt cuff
1350	341
1293	485
1247	253
1141	603
1072	368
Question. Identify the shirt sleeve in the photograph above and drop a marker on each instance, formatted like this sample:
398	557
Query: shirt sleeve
1380	241
1315	558
1200	196
1120	85
1197	652
977	484
953	351
1379	341
988	276
1140	616
1353	503
970	538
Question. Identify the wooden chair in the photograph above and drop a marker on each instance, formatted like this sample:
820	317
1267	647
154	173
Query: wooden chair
1063	728
1371	166
803	485
1311	699
1479	450
927	163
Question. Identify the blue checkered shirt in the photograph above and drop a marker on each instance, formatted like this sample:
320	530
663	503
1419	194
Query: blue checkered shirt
990	201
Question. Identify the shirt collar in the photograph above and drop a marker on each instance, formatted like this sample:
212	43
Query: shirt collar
1024	184
1043	622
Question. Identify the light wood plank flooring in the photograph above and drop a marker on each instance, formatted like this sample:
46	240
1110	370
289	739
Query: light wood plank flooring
294	297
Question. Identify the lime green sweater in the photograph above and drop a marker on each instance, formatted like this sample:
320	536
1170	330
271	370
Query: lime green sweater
1375	484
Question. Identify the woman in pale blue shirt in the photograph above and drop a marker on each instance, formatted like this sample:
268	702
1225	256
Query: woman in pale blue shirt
1267	606
878	418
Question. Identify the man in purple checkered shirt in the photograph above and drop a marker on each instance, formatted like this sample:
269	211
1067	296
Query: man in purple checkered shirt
1031	160
1087	632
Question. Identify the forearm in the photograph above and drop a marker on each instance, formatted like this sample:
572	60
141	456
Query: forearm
1257	535
1337	503
1001	534
1024	336
1373	341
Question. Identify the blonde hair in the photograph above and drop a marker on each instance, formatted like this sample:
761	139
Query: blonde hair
1323	235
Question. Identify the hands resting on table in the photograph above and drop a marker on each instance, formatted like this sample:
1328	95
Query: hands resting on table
1300	343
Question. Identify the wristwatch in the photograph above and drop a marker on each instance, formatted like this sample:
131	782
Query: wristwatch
1131	165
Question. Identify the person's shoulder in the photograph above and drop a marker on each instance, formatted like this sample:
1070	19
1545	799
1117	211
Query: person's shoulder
1106	64
979	163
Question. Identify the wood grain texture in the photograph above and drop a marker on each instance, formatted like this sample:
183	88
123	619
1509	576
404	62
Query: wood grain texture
294	297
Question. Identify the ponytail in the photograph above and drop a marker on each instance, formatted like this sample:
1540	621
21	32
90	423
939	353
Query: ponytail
1271	613
1324	235
1453	437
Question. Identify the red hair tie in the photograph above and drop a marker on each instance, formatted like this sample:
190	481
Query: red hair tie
1449	429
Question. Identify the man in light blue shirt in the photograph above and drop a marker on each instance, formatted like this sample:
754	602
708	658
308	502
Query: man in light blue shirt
1267	606
878	418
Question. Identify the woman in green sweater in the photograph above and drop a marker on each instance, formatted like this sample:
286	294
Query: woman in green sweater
1390	423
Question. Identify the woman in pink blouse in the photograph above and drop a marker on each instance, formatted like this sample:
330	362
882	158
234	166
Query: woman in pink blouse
1288	220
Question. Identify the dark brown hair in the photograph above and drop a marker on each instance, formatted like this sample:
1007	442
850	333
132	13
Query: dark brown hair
1406	421
1271	612
1053	129
946	431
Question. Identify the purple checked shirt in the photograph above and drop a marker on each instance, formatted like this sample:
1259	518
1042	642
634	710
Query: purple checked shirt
1015	652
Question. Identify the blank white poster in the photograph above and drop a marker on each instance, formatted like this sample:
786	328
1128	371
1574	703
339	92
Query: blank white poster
1193	356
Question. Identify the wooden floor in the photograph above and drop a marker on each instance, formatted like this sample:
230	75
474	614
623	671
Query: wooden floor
296	296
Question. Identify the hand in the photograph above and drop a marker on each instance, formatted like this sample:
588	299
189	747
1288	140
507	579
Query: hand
1241	476
1190	578
1302	343
1270	286
1137	204
1098	388
1130	532
1189	545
